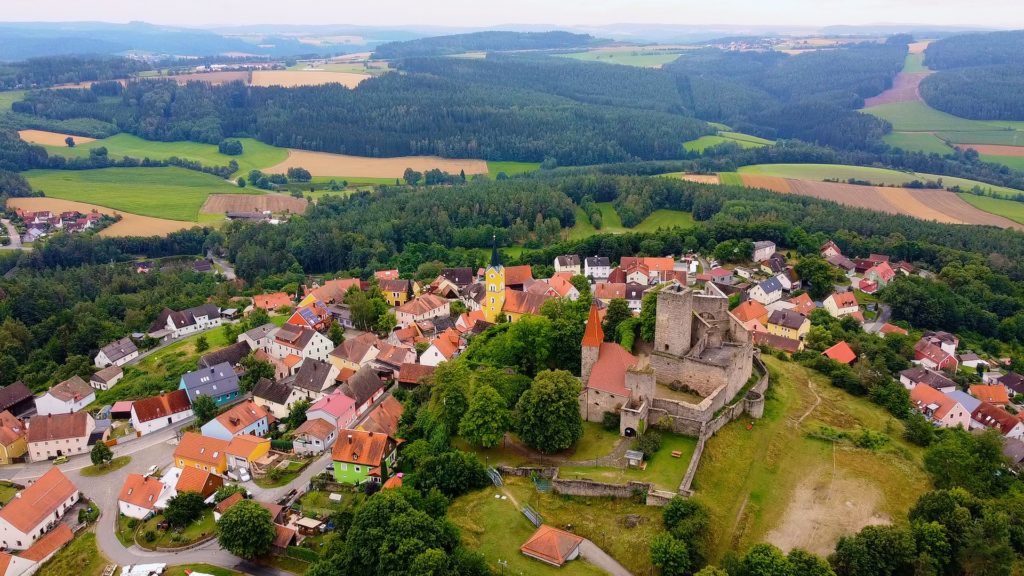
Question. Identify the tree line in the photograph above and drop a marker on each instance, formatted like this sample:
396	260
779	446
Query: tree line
49	71
482	42
981	93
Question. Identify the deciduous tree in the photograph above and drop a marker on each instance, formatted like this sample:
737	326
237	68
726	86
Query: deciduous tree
246	529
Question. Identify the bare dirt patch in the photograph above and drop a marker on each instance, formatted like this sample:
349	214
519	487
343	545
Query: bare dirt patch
847	194
918	47
292	78
129	225
701	178
341	165
996	149
50	138
825	506
773	183
955	207
904	89
276	203
210	77
904	200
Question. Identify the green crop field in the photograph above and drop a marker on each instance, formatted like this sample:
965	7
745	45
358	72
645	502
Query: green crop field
730	179
1014	162
172	193
612	224
511	168
1005	208
724	137
665	219
919	117
626	57
8	98
1000	137
918	142
878	176
914	63
255	156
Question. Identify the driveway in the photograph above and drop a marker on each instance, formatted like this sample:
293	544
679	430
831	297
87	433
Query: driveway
12	232
591	553
884	313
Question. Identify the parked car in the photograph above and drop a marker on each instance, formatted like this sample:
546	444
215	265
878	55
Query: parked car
60	460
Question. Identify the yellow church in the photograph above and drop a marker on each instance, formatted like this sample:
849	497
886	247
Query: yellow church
501	303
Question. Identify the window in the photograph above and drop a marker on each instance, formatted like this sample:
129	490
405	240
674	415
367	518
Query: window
357	468
344	466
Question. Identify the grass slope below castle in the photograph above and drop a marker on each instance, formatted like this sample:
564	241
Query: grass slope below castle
774	482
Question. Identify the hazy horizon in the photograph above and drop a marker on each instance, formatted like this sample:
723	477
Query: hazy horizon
566	13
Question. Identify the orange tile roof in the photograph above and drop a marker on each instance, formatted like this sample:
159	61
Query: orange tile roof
422	305
844	299
317	428
244	445
609	372
201	448
609	290
193	480
523	302
561	284
393	482
386	274
283	536
58	426
892	329
594	335
750	310
162	406
994	394
271	301
11	429
142	491
447	343
551	545
241	415
384	418
923	396
803	304
413	373
367	448
515	275
49	543
841	352
38	501
228	502
291	360
654	264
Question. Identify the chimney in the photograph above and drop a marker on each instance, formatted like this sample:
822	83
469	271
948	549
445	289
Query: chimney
349	438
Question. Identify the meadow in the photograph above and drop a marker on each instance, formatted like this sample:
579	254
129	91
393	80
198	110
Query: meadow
918	142
877	176
255	154
612	223
10	97
1006	208
725	137
511	168
172	193
626	57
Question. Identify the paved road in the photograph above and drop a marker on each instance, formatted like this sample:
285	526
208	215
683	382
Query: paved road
13	233
591	553
229	270
884	313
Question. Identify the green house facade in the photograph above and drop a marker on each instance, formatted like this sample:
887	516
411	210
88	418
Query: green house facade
358	456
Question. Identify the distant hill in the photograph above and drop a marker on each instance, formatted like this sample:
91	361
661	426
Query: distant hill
483	41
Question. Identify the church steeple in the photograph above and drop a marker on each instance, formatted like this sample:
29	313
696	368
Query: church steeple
594	335
495	261
494	283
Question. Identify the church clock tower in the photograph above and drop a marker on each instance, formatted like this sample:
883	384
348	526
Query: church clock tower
494	281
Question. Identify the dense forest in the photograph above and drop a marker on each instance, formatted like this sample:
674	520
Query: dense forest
56	70
812	97
981	49
392	115
483	42
981	93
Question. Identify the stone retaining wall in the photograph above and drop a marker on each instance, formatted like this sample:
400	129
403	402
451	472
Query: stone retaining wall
600	489
527	472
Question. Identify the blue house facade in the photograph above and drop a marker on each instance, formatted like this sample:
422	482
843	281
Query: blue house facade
218	382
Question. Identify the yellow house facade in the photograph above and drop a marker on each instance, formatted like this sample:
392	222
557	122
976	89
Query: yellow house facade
494	282
202	452
13	438
788	324
16	449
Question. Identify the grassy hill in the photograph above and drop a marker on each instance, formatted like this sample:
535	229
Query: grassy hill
612	224
1006	208
172	193
724	137
627	57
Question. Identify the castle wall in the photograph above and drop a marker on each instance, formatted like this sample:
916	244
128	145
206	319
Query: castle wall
588	358
594	403
673	328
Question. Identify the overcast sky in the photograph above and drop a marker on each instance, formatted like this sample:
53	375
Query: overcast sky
995	13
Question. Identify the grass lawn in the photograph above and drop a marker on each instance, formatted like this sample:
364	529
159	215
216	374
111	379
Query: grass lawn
81	557
496	529
1006	208
749	477
914	63
596	442
287	563
918	142
919	117
171	538
665	219
627	57
318	503
125	533
662	470
877	176
511	168
172	193
255	154
185	569
115	464
1014	162
7	491
290	473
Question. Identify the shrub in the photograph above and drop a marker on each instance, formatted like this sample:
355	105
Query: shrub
649	444
610	421
149	536
282	445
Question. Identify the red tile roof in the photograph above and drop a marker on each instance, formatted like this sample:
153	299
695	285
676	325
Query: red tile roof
162	406
283	536
11	429
841	353
609	290
516	275
241	415
844	299
924	396
518	302
422	305
393	482
803	304
594	335
228	502
994	417
609	372
413	373
892	329
49	543
551	545
367	448
447	343
317	428
201	449
58	426
142	491
193	480
994	394
384	418
38	501
272	301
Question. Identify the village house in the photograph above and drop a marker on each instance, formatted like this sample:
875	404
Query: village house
969	359
1013	382
312	380
190	321
391	358
774	265
139	495
17	399
55	435
938	408
13	439
881	274
931	356
243	450
232	355
993	394
944	340
887	329
655	269
411	375
332	291
788	324
314	316
202	452
382	275
301	342
568	263
218	382
635	296
752	314
117	353
384	418
397	291
843	263
259	338
272	302
314	437
829	249
245	418
608	291
70	395
840	352
273	396
913	377
996	418
766	291
202	482
763	338
425	307
354	353
461	277
106	378
803	304
442	349
159	412
763	249
336	408
364	387
36	509
840	304
443	287
597	268
358	456
719	275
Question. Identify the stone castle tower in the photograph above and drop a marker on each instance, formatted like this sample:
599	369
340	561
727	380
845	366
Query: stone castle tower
592	340
494	282
673	326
